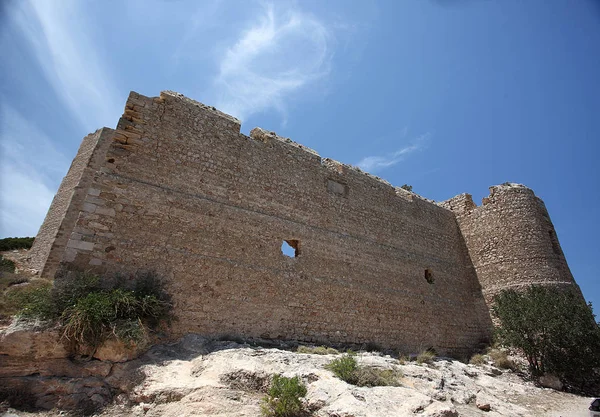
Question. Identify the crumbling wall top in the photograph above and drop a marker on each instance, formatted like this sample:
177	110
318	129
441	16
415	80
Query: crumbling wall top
191	102
464	204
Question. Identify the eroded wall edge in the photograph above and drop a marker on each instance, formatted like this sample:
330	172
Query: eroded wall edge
51	241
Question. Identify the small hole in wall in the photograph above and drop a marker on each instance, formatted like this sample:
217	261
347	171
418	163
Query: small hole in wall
290	248
111	160
429	276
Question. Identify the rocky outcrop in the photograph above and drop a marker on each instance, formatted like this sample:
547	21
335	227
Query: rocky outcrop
36	365
199	376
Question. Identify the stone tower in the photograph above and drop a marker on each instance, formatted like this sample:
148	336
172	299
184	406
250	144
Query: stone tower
511	240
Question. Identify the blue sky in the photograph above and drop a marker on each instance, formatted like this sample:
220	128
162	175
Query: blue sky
450	96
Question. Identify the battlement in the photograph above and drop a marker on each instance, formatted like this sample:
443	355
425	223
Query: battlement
131	124
177	188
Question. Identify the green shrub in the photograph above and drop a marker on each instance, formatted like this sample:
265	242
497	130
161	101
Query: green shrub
284	397
6	265
33	300
10	243
477	359
317	350
344	368
427	356
556	331
90	313
347	369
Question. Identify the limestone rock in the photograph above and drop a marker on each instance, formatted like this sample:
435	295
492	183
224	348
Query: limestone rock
551	381
199	376
31	340
114	350
484	407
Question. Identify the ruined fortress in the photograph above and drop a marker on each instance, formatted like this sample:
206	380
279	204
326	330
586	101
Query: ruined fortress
176	188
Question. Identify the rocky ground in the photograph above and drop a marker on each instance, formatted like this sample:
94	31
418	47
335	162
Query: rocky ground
200	377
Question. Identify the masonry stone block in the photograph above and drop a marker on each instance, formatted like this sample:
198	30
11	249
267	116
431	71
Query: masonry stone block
78	244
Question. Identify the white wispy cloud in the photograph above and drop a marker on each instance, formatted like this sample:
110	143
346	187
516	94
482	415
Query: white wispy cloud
31	164
377	163
281	53
60	40
30	167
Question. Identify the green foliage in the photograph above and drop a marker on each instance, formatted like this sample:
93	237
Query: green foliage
555	330
317	350
284	397
90	313
427	356
6	265
69	287
34	301
344	368
347	369
10	243
407	187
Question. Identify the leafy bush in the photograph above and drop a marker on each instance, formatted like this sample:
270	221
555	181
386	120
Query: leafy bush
284	397
407	187
427	356
32	300
347	369
317	350
90	313
10	243
344	368
6	265
556	330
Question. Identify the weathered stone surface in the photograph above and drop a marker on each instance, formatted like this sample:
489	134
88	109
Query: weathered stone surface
551	381
199	376
196	377
114	350
484	406
32	341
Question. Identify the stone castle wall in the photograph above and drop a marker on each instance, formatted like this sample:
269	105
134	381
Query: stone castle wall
179	190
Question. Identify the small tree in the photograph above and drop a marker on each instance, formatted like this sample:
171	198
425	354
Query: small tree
407	187
555	329
284	397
